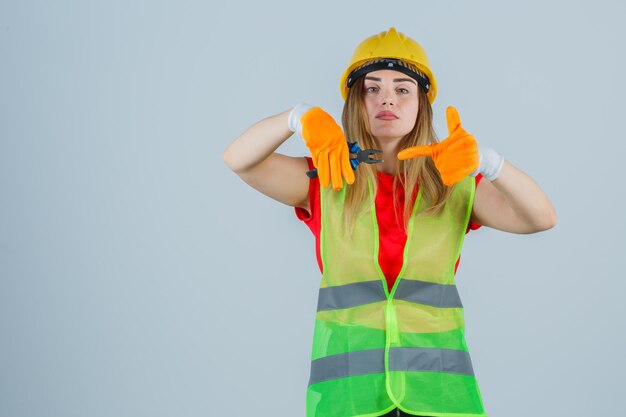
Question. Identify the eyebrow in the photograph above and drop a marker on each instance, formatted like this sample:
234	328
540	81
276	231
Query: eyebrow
396	80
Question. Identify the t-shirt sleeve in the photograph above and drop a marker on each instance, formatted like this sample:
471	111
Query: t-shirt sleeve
302	214
313	219
472	225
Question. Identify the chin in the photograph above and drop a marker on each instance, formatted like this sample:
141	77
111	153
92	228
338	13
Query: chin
385	134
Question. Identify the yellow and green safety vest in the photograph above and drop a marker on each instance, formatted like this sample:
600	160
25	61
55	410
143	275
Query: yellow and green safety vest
374	348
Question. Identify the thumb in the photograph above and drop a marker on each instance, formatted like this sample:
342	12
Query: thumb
415	152
453	119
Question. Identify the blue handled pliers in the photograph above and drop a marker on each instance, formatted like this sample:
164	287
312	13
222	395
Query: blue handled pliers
362	155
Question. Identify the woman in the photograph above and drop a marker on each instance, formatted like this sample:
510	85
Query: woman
389	330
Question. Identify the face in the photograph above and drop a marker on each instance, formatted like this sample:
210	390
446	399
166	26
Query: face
391	102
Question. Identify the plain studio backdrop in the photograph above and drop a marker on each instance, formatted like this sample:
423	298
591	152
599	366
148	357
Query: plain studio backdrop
139	276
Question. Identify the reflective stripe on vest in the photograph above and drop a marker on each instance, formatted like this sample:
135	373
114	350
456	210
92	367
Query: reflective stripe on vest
359	293
377	348
400	359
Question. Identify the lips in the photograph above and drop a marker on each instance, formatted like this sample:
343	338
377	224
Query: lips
386	115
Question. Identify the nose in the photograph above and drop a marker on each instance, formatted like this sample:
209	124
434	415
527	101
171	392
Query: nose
387	98
389	101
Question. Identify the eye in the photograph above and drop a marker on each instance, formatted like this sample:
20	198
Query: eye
372	89
403	90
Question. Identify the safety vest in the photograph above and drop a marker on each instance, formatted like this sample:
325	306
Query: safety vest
375	349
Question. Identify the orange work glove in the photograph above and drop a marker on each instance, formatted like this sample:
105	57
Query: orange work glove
327	143
455	157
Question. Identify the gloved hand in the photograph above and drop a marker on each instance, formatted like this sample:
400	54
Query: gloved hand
458	155
327	143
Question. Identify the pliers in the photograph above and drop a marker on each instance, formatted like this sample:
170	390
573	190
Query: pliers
362	155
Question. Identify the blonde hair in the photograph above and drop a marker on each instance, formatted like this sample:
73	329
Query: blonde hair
409	173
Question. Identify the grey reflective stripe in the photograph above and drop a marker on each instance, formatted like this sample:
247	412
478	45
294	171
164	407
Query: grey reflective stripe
347	364
350	295
430	293
430	359
400	359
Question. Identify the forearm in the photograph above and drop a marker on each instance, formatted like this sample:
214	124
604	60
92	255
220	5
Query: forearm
525	197
257	142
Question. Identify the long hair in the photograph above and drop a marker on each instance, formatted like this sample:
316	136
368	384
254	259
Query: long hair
409	173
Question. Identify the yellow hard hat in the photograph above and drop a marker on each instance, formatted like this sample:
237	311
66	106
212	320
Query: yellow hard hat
386	49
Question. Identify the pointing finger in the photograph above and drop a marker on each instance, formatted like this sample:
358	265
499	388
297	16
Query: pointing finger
415	152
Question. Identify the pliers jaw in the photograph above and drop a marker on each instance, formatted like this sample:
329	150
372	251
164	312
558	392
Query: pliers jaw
366	156
362	155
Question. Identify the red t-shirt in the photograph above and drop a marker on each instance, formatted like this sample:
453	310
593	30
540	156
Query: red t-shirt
391	234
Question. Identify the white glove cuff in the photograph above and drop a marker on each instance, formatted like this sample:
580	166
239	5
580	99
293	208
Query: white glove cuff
490	165
295	115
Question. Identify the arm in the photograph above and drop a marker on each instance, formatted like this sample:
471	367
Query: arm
513	202
507	199
251	156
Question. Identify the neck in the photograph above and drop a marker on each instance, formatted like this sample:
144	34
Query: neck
390	156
